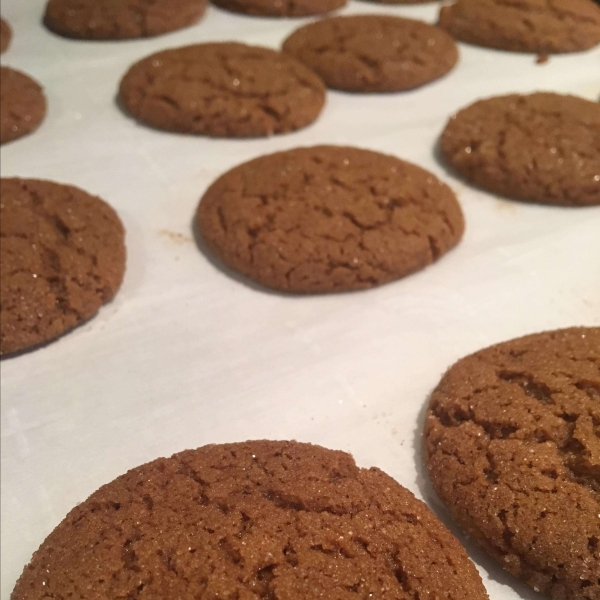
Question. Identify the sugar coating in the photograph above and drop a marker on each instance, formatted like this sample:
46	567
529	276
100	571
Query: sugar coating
280	8
329	218
373	53
512	443
251	521
120	19
62	256
222	90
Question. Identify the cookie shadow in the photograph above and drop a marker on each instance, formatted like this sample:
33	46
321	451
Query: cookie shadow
494	571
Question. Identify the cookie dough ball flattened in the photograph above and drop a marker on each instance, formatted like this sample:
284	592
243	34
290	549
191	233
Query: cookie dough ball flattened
544	26
280	8
62	257
5	35
22	105
251	520
223	90
328	219
513	449
120	19
543	147
370	53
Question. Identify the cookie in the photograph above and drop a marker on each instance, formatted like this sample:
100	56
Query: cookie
260	519
62	257
328	219
222	90
120	19
543	147
513	450
370	53
280	8
22	105
5	35
541	26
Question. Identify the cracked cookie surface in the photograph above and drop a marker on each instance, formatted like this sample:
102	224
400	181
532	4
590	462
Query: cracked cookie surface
223	90
543	26
512	444
328	219
543	147
62	256
120	19
22	105
253	520
372	53
5	35
280	8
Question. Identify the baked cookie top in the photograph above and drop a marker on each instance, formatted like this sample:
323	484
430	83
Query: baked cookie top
512	445
328	219
120	19
22	105
251	520
5	35
280	8
543	26
543	147
62	256
373	53
222	90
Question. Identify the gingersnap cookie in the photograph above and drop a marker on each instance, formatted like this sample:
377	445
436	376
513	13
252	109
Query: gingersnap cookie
222	90
5	35
371	53
22	105
542	147
258	519
328	219
280	8
120	19
543	26
512	445
62	257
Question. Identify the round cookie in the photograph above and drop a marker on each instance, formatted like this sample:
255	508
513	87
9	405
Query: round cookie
280	8
372	53
5	35
120	19
222	90
543	26
543	147
62	257
400	1
328	219
513	450
261	519
22	105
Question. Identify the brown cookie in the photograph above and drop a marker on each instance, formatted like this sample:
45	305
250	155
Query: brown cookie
62	257
400	1
280	8
261	519
5	35
512	445
542	26
542	147
328	219
222	90
22	105
370	53
120	19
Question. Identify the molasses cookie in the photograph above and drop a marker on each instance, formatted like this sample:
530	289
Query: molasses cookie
512	445
222	90
543	147
62	257
370	53
280	8
256	519
542	26
328	219
120	19
5	35
22	105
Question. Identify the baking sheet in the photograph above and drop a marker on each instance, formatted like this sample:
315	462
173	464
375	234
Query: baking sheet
188	354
